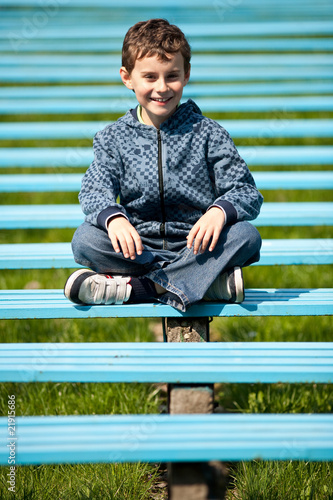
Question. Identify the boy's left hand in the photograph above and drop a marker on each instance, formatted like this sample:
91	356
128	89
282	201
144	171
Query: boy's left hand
206	230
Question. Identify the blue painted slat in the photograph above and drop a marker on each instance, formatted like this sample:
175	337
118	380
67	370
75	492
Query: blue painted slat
70	216
294	180
110	44
192	90
40	182
50	74
72	182
278	127
203	61
30	304
223	362
296	252
83	156
181	16
273	252
217	29
231	104
149	3
205	13
165	438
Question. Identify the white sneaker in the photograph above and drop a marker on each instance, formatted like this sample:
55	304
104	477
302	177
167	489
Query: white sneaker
228	287
87	287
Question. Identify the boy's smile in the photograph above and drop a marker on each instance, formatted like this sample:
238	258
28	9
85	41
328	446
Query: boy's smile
158	86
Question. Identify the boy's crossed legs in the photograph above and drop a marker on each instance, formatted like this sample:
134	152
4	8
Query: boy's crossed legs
185	277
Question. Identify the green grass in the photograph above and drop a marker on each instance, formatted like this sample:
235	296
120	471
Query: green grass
281	481
84	482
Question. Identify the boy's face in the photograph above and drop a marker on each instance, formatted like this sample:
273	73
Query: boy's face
158	86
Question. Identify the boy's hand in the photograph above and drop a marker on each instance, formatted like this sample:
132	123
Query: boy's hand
124	237
207	229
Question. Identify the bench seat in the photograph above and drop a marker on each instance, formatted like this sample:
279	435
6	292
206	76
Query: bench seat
82	157
167	438
244	44
192	90
273	252
197	60
71	216
193	30
53	74
214	104
194	362
15	183
31	304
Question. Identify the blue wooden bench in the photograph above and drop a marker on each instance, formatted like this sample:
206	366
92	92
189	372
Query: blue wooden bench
175	438
83	156
19	183
262	84
220	104
32	304
181	438
204	362
71	216
192	90
274	252
238	128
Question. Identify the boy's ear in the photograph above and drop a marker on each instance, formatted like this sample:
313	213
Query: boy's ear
187	75
126	78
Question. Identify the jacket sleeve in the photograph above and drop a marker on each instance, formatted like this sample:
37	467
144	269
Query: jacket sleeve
100	185
234	184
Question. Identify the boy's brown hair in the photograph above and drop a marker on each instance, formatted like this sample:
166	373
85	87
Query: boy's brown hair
154	37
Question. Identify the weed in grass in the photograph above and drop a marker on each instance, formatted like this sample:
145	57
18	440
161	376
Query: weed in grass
276	398
281	481
83	482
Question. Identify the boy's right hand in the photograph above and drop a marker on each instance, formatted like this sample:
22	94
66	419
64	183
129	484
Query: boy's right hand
124	237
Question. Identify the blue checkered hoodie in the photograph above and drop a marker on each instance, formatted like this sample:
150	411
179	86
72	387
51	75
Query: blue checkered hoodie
165	180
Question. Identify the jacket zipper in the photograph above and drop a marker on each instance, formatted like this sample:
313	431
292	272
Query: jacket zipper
160	183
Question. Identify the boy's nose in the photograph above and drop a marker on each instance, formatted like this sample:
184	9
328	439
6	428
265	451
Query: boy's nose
161	85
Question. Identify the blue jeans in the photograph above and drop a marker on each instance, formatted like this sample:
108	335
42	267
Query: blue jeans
169	263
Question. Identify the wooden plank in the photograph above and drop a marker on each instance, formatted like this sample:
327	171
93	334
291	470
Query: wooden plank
216	29
316	251
161	438
192	90
110	44
171	362
120	106
200	61
83	156
15	183
30	304
275	127
50	74
71	216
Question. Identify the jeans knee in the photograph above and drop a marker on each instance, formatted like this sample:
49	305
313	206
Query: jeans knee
254	238
82	245
245	234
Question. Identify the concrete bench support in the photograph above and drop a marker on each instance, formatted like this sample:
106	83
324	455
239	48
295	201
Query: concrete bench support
199	480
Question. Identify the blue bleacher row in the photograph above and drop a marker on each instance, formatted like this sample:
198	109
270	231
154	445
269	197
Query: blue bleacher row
300	81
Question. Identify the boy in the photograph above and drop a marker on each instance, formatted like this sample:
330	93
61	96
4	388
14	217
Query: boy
179	232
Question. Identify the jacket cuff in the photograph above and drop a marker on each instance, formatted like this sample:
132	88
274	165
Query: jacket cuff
106	214
228	209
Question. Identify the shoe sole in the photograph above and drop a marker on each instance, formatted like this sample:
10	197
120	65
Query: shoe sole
72	285
239	285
